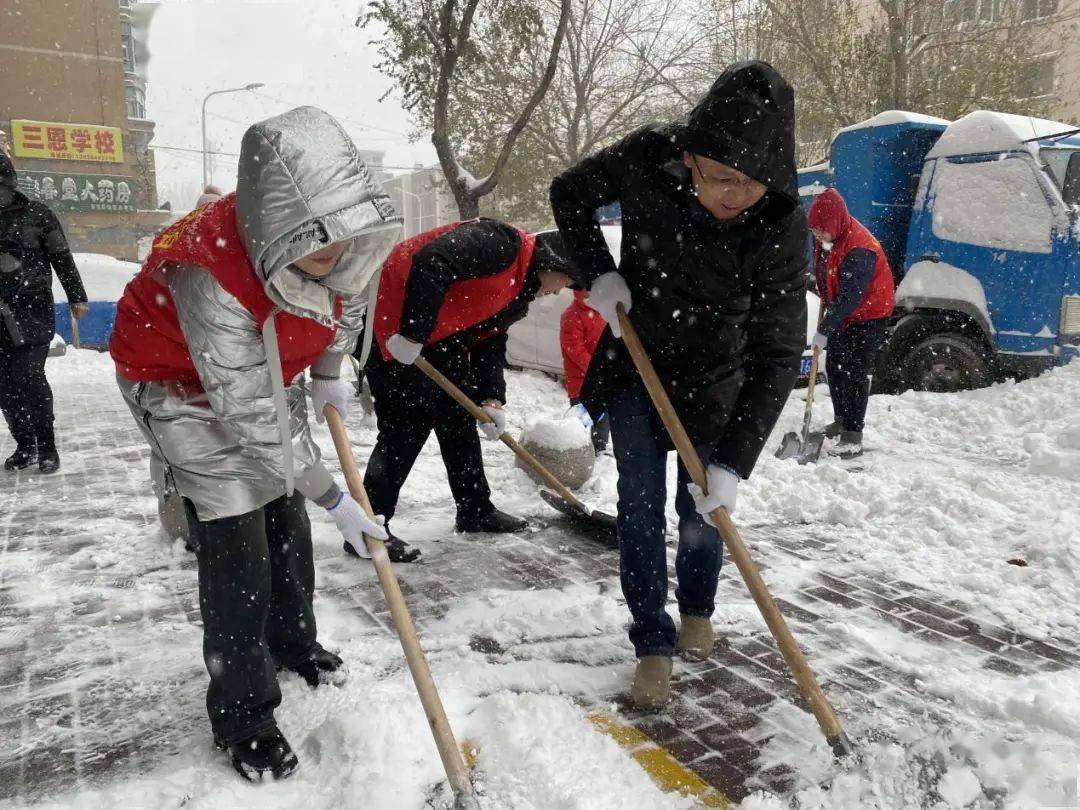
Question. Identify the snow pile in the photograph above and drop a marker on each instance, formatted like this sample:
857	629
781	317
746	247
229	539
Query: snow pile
987	131
929	280
103	277
951	487
514	617
563	434
516	755
892	118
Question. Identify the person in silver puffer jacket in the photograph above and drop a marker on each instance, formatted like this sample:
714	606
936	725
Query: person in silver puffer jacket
211	340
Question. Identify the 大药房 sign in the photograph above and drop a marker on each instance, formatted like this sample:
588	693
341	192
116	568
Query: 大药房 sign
43	139
65	191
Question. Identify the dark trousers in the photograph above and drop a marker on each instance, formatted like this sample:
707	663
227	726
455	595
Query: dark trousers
25	396
408	406
848	364
642	465
256	583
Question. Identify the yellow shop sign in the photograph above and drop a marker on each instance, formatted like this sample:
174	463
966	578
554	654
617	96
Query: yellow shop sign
43	139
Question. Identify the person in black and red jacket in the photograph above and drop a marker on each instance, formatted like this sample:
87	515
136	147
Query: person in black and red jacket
856	287
451	293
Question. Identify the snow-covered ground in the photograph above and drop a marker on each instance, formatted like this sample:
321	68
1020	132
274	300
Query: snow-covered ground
100	611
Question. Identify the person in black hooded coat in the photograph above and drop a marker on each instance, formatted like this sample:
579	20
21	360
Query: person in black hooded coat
713	274
32	245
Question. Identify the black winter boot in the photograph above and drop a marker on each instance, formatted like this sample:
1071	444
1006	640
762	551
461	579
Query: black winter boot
22	458
48	458
494	522
267	753
48	461
833	429
396	549
850	445
321	667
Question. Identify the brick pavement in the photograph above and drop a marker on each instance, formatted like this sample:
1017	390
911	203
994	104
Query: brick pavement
70	675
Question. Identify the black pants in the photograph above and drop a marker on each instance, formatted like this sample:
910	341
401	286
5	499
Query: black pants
848	364
25	396
256	582
408	406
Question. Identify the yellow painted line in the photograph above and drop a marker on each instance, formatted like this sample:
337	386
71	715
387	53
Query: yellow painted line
667	772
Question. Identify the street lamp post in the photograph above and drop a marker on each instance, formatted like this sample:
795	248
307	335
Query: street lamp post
205	147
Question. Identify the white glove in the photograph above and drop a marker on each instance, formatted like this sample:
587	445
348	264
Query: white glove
497	426
329	392
819	342
402	349
723	485
581	413
353	523
606	292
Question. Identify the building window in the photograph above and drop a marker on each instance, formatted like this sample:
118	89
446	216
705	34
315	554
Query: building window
127	42
989	10
962	12
1037	78
1037	9
136	102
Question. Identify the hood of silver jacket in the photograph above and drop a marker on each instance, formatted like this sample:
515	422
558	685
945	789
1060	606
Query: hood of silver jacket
300	186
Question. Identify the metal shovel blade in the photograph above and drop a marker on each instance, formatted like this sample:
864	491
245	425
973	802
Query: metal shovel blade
811	451
789	446
601	523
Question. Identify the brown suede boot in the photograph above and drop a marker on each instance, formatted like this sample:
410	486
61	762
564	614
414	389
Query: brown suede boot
652	682
696	637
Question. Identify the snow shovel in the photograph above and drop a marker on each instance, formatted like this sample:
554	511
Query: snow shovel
457	772
807	448
562	498
796	661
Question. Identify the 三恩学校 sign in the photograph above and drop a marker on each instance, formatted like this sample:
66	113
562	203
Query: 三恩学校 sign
53	141
66	191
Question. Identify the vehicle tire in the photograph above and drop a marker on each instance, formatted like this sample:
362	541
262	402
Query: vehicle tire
946	362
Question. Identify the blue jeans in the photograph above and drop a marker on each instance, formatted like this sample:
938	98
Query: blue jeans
642	467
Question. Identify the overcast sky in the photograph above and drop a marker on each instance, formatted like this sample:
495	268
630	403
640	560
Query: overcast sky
304	52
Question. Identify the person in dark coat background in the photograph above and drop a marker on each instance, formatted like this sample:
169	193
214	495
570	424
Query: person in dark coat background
580	328
856	287
713	274
32	245
451	293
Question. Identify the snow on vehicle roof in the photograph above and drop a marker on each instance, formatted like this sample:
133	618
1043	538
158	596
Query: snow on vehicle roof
103	276
986	131
884	119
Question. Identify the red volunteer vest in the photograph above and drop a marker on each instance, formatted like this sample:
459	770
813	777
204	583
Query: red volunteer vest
466	304
147	343
880	296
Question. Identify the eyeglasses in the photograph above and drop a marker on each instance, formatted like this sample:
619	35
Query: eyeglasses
729	186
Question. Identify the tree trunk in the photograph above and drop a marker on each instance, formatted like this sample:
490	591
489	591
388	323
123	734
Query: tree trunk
468	204
468	199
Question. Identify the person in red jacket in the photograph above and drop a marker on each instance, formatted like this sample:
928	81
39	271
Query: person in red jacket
450	294
579	332
856	288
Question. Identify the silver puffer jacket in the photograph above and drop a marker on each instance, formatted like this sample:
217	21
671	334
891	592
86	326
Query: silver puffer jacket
244	440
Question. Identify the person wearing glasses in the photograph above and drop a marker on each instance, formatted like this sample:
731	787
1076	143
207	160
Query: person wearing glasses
712	273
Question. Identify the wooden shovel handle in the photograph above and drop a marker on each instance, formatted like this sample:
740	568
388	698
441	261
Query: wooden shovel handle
453	763
812	382
800	668
480	415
